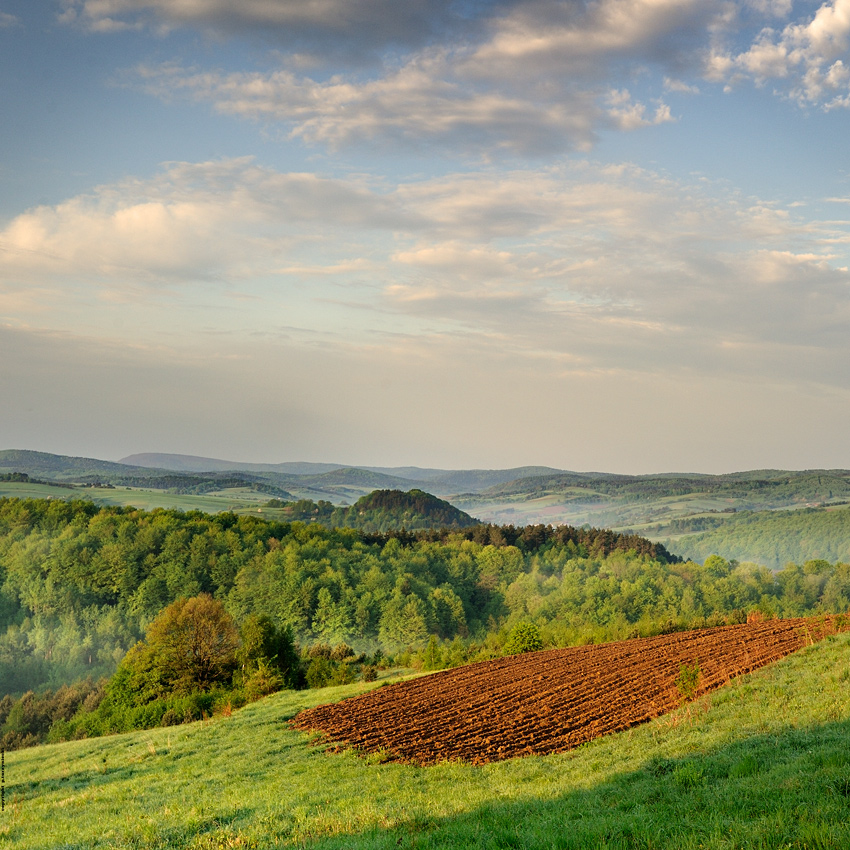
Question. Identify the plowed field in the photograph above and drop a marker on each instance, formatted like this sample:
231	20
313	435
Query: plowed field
550	701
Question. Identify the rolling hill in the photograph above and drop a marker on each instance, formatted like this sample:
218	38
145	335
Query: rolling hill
762	762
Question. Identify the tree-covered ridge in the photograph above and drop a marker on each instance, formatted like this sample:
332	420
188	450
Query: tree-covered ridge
380	511
760	486
79	584
772	538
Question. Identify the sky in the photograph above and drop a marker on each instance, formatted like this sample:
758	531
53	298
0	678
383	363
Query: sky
605	235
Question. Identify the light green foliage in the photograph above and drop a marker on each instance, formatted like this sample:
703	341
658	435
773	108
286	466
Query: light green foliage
80	584
774	538
763	762
432	656
523	637
264	678
688	680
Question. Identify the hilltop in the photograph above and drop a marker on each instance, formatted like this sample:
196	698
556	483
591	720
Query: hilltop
379	511
698	513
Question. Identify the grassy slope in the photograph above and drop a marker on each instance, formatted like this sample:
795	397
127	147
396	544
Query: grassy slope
764	762
241	500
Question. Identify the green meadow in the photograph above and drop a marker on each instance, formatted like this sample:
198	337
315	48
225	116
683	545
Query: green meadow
242	500
761	763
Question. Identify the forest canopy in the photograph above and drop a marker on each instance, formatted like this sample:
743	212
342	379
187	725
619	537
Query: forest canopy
80	584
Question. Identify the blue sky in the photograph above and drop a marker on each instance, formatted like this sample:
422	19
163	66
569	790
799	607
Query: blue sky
606	235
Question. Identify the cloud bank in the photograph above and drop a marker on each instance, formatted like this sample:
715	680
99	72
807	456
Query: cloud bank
590	266
529	77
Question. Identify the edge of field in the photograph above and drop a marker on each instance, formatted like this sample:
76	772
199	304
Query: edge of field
763	761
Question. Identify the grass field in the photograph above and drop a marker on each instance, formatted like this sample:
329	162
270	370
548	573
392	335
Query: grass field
761	763
240	501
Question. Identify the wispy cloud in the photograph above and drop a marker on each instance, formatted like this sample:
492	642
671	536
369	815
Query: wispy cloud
417	105
355	28
596	264
195	221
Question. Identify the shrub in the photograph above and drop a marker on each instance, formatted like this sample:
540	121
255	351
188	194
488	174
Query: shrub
343	674
319	672
432	657
688	680
342	651
270	648
523	637
262	681
319	650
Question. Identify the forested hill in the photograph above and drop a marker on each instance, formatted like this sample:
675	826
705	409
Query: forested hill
758	486
79	583
379	511
772	538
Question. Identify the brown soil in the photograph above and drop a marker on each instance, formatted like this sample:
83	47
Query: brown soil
550	701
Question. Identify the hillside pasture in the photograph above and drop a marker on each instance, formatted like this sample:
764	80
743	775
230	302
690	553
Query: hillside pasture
762	762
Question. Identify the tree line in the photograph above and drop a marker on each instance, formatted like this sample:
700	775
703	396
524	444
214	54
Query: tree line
80	585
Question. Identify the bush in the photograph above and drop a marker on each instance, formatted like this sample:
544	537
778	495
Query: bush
523	637
319	650
342	651
343	674
688	680
271	650
319	672
264	680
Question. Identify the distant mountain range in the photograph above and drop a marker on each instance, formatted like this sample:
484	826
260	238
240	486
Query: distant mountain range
440	481
305	480
666	506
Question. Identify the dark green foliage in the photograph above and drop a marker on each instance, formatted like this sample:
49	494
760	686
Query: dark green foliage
111	717
267	651
380	511
320	672
524	637
28	719
763	486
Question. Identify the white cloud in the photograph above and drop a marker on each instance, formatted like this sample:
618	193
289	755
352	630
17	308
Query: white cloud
205	221
812	56
628	115
7	20
578	263
679	86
